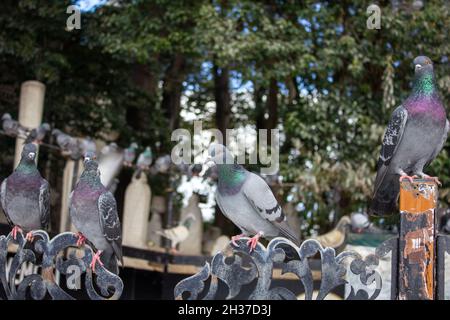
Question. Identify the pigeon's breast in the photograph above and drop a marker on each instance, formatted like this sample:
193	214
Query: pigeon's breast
238	209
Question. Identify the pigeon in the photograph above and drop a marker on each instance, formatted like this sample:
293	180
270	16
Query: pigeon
144	161
129	154
25	196
247	200
68	144
12	127
163	163
179	233
93	211
415	135
37	135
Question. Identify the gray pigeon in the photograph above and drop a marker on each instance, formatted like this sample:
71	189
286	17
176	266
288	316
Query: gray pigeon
12	127
246	199
68	144
38	134
129	154
25	196
415	135
144	161
93	211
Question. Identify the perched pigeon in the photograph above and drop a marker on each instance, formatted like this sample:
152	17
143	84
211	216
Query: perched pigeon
163	163
38	134
25	195
144	161
246	199
12	127
415	135
68	144
335	238
129	154
179	233
93	211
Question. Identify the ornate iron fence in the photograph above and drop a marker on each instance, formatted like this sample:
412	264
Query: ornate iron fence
53	256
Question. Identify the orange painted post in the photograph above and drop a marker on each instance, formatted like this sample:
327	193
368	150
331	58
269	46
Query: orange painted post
418	202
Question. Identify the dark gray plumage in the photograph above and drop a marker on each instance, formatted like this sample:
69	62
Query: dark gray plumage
68	144
25	195
38	134
12	127
415	135
246	199
93	211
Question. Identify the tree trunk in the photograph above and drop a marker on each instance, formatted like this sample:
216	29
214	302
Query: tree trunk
222	97
172	89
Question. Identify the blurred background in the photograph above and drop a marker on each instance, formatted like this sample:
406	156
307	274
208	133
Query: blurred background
136	70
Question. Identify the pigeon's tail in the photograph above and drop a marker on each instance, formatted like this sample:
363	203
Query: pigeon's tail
384	201
286	231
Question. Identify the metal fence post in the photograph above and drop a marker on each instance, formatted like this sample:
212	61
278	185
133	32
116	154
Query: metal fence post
418	202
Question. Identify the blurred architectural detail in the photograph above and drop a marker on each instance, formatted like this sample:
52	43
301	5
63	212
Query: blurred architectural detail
110	162
292	217
136	212
219	244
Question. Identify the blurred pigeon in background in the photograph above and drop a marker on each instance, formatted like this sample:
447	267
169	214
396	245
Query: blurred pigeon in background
12	127
144	161
37	135
93	211
111	147
179	233
163	163
360	223
68	144
25	196
247	200
129	154
415	135
335	238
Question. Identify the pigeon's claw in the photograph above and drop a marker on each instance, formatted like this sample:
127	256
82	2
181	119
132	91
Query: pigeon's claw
236	237
95	260
30	236
405	176
14	231
435	179
254	241
81	239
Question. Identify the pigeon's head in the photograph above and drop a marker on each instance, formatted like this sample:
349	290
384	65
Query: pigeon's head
29	152
133	146
219	154
56	132
88	156
6	116
45	126
422	64
91	171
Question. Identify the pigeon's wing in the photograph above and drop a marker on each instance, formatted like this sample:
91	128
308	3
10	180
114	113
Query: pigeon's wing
441	143
44	203
110	223
259	194
3	200
391	140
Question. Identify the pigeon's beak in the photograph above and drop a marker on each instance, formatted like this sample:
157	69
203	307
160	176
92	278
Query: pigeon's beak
31	155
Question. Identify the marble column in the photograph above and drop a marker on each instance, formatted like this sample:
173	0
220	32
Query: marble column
31	107
68	180
136	212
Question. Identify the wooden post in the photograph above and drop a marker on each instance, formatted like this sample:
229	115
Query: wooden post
417	237
31	107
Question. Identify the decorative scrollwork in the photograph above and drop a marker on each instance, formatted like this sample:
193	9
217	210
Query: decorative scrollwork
237	267
50	255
